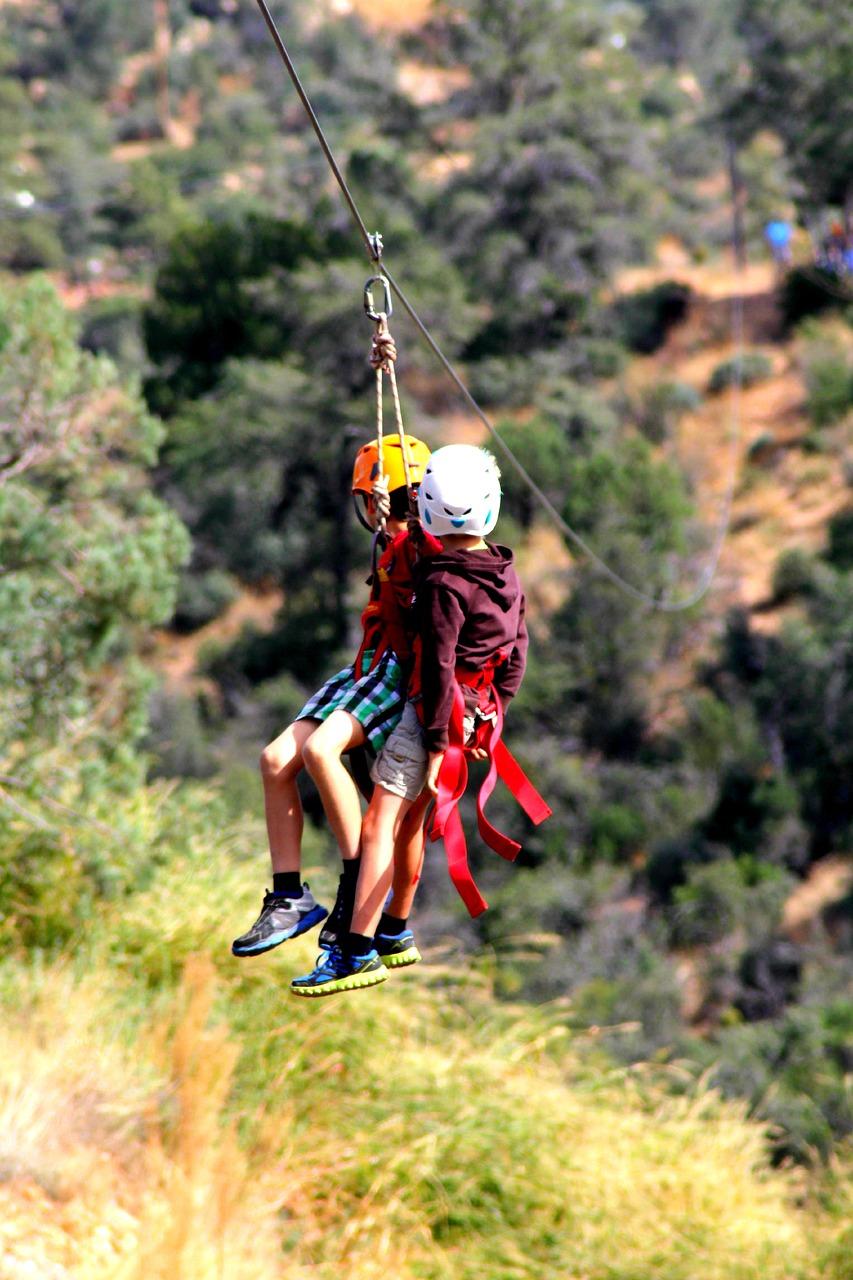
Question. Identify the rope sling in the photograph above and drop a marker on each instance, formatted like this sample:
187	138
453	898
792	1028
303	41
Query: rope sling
382	358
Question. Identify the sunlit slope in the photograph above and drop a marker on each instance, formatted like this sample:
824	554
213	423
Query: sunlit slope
213	1125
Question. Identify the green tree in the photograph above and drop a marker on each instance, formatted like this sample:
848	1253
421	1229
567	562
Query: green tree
559	187
89	555
801	57
89	560
205	310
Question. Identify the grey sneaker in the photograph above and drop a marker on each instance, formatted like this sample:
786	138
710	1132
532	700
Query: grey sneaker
281	918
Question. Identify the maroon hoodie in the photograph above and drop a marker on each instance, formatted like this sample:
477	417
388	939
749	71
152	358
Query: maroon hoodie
469	606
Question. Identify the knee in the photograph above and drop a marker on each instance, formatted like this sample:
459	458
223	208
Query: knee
314	753
277	765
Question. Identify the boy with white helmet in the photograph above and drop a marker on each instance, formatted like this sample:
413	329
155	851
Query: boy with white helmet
470	614
359	707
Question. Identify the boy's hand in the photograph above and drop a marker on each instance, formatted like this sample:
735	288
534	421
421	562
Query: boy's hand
433	770
416	531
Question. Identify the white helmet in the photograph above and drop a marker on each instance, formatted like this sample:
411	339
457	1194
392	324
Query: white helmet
460	491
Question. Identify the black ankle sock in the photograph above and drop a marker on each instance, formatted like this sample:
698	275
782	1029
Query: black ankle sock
392	925
356	944
352	866
287	884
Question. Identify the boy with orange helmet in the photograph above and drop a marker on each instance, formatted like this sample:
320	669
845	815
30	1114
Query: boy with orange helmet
358	707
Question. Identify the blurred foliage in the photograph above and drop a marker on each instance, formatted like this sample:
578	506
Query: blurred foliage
662	406
794	574
644	318
828	369
203	597
810	291
743	371
89	554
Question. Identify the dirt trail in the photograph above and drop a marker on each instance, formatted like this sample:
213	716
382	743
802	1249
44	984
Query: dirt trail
388	14
176	656
782	498
827	882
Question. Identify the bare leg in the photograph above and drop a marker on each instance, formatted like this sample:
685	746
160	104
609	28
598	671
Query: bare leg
322	757
381	824
281	763
409	857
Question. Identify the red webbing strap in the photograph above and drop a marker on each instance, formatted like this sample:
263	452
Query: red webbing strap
503	765
452	781
494	838
520	787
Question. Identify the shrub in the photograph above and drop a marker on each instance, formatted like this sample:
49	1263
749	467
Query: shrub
616	831
647	316
840	550
794	574
748	369
751	800
203	597
111	326
709	906
829	379
30	245
600	358
770	975
177	739
281	699
661	407
508	381
808	293
762	449
670	861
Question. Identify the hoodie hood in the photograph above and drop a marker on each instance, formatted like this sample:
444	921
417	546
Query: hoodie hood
491	569
470	610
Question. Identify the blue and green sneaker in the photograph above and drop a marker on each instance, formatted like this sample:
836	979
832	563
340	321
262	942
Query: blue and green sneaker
337	972
397	949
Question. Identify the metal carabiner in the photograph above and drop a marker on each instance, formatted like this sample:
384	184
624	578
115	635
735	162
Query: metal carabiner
370	310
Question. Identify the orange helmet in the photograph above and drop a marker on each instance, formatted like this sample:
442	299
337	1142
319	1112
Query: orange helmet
366	469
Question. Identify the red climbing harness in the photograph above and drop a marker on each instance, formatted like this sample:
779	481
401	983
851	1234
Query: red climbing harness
387	619
453	779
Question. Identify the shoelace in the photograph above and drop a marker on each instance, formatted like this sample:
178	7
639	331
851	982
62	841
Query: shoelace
334	962
276	900
337	911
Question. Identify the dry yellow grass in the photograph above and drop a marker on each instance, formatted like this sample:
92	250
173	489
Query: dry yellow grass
121	1165
406	1132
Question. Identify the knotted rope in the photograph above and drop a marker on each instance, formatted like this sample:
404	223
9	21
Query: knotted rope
382	356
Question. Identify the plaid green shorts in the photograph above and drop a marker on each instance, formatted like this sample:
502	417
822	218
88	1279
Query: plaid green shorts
376	700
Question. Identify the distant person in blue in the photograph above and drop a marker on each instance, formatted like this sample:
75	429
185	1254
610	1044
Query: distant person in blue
778	235
835	249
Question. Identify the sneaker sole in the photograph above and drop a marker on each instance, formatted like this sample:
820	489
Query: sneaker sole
400	959
354	982
276	939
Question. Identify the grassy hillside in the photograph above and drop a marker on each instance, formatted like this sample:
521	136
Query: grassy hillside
168	1111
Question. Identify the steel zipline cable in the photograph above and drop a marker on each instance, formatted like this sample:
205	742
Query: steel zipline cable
373	245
